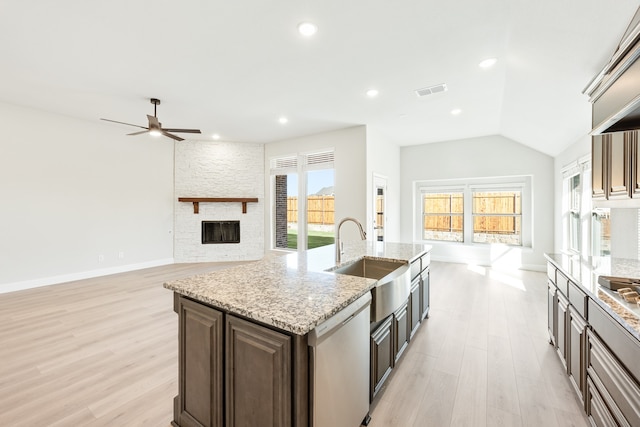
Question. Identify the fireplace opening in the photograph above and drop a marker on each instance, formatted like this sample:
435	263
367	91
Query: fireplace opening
220	232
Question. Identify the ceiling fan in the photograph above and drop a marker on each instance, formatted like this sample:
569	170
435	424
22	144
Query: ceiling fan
155	127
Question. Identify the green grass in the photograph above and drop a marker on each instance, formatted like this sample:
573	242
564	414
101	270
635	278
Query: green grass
315	239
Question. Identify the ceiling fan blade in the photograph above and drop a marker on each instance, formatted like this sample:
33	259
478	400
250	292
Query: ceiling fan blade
153	121
138	133
165	133
184	130
123	123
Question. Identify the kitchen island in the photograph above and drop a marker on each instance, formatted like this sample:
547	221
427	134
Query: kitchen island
243	333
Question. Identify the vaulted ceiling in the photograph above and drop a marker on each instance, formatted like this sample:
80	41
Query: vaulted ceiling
233	68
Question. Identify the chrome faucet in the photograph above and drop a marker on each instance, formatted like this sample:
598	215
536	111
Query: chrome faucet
339	245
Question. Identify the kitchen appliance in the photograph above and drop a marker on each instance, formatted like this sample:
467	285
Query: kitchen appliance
339	353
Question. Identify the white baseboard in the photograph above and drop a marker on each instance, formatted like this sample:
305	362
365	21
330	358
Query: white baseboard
46	281
458	260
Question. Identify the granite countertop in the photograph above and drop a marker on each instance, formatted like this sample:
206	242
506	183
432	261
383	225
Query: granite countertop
586	271
292	292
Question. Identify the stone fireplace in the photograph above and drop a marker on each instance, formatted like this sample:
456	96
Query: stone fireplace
219	170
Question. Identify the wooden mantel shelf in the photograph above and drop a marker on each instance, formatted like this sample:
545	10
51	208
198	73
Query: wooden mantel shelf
196	201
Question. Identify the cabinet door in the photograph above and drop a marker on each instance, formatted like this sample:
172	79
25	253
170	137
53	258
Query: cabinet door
200	400
381	356
401	330
414	310
551	313
561	332
576	346
598	166
424	293
258	375
618	155
635	164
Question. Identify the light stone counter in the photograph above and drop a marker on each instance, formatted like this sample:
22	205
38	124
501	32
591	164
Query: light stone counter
294	292
586	271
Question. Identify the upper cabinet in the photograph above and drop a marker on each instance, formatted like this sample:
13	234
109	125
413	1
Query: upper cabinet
615	167
615	97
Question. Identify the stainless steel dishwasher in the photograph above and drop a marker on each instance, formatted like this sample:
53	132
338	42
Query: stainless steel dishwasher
340	367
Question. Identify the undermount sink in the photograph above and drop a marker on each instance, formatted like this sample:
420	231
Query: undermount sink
392	287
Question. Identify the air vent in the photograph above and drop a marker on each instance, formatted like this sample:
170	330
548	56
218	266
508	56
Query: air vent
431	90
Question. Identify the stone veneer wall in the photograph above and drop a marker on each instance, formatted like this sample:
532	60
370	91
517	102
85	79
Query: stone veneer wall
219	169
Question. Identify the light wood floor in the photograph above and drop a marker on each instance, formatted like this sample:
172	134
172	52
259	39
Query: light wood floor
103	352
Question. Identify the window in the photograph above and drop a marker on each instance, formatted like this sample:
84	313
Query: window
476	211
497	217
574	213
303	200
579	226
443	216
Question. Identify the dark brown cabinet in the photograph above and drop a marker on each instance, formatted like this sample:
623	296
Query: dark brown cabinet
258	363
635	166
598	167
382	355
615	167
576	345
401	330
618	164
552	324
200	399
233	372
613	394
561	332
414	307
424	293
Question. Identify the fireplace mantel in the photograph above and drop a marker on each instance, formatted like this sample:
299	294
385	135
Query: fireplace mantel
196	201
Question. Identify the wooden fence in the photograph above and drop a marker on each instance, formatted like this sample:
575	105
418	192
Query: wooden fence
320	210
444	212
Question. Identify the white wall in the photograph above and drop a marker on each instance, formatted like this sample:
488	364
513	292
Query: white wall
383	157
73	191
219	169
350	173
490	156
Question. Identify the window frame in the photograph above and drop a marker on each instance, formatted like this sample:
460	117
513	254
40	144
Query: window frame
441	190
299	163
522	183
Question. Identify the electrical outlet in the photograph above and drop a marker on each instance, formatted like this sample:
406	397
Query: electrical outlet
120	255
100	258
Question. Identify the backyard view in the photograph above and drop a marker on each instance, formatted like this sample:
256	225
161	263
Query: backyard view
320	220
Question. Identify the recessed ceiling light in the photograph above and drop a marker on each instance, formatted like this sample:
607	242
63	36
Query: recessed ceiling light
307	29
456	111
283	120
215	136
488	63
372	93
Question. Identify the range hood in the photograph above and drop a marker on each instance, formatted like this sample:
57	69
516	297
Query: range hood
615	91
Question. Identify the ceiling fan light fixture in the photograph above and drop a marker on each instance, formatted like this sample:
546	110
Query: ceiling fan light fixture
155	132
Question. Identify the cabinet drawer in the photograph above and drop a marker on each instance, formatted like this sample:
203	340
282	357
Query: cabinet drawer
597	410
619	340
426	261
551	272
578	299
562	283
416	268
603	368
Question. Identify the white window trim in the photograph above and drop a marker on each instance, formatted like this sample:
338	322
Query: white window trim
523	183
324	159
